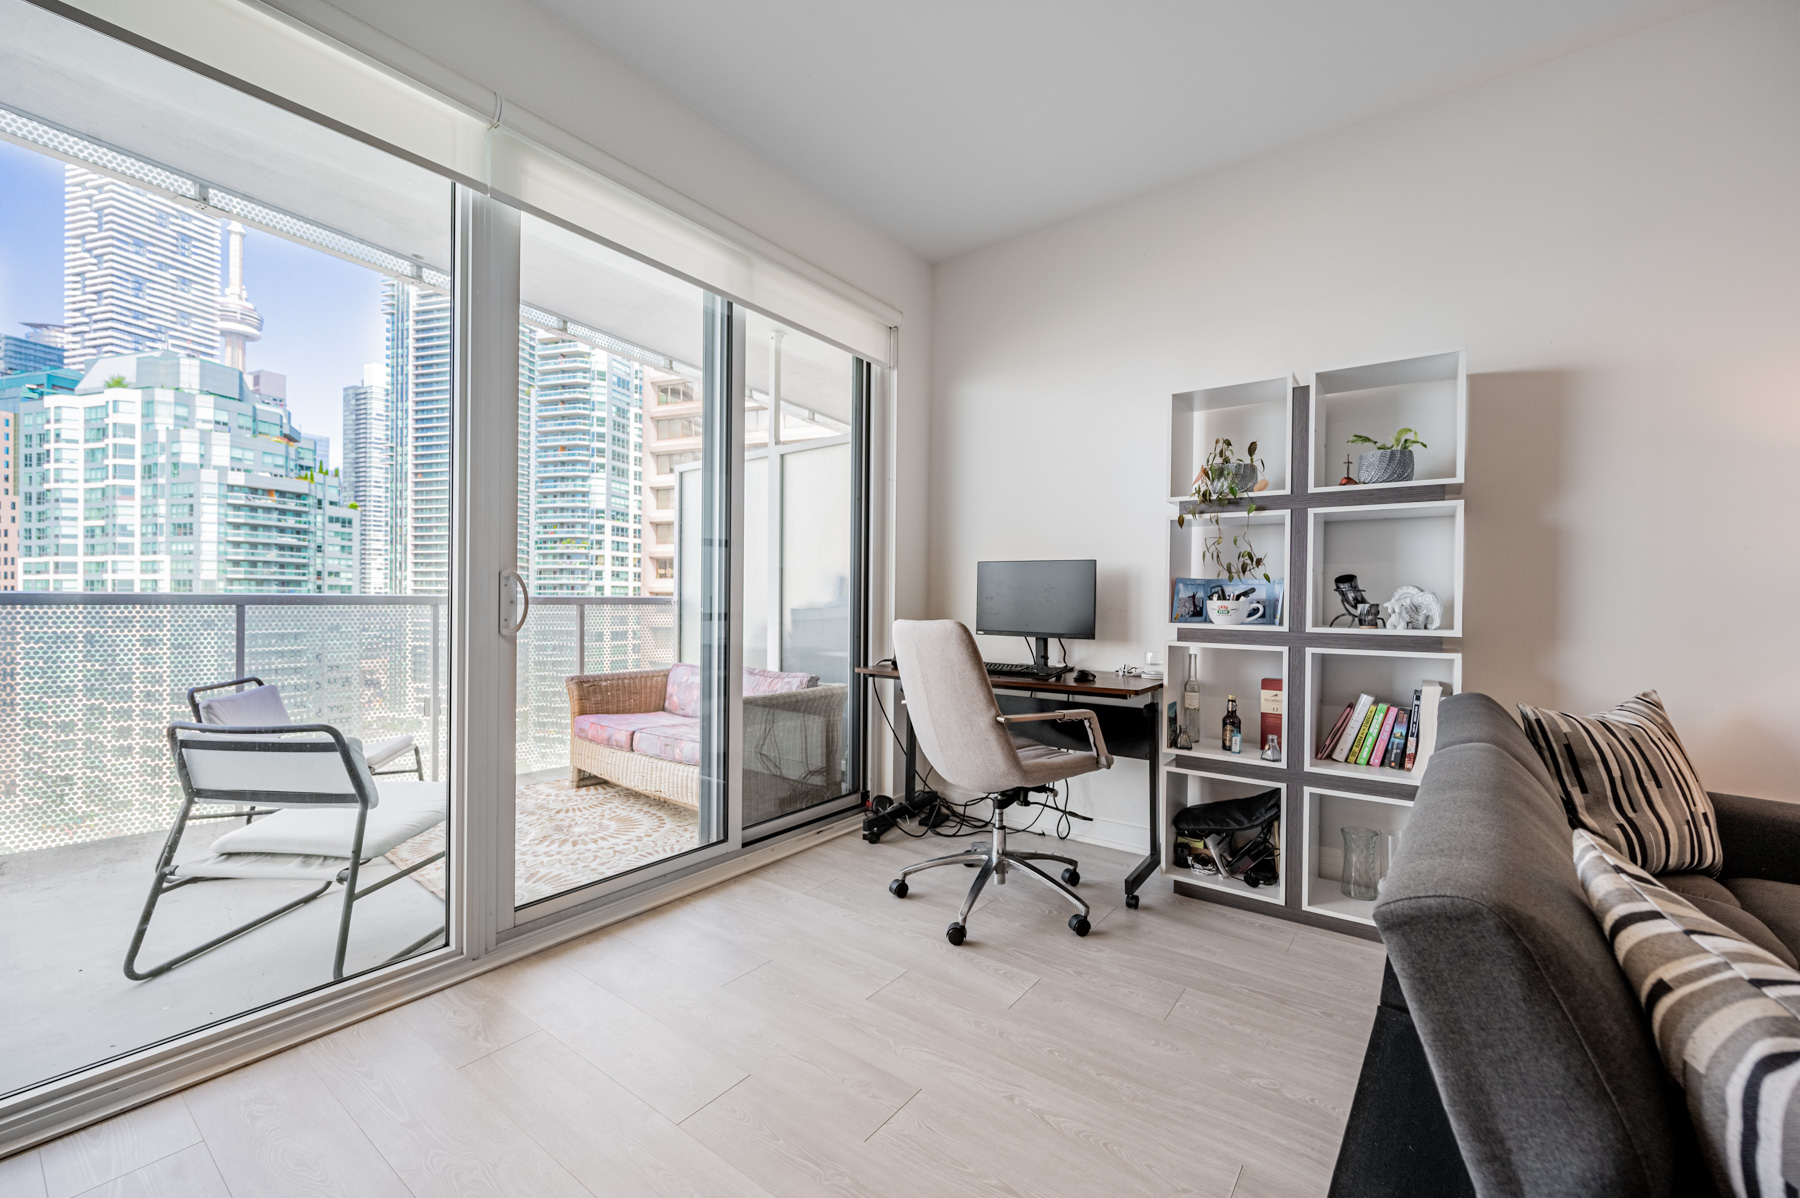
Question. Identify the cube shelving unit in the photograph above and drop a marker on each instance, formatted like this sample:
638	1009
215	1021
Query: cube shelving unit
1387	535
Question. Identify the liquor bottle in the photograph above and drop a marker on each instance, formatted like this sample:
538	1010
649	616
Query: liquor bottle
1190	712
1231	729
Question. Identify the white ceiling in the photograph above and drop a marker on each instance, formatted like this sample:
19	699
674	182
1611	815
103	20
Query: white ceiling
952	124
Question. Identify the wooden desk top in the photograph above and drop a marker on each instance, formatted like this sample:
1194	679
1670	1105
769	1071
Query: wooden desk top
1108	683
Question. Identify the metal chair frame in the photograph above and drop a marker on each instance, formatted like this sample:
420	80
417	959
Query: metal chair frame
193	697
249	802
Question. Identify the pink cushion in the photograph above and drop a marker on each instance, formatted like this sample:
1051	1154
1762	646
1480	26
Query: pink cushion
672	741
772	682
683	696
615	731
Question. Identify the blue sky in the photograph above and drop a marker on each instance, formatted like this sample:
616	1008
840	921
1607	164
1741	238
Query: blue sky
321	315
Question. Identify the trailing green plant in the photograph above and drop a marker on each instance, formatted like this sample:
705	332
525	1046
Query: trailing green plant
1404	438
117	380
1215	490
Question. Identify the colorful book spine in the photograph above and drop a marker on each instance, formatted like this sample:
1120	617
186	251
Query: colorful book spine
1396	751
1359	721
1337	731
1359	752
1412	734
1372	752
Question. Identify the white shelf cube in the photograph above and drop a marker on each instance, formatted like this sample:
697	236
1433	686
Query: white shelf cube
1269	533
1223	671
1260	412
1386	545
1183	788
1334	679
1429	394
1328	812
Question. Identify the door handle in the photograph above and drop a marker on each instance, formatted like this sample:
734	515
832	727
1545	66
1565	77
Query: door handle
515	602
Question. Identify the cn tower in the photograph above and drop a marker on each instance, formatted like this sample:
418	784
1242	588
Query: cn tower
239	321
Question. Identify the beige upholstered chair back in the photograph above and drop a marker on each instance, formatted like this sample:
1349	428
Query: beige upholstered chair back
952	706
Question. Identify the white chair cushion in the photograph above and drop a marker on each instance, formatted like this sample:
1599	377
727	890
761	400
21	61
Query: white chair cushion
407	809
258	707
379	752
272	774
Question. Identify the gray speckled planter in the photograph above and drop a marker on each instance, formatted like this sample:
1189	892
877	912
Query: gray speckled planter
1385	466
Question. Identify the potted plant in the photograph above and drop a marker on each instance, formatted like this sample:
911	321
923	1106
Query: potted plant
1224	479
1390	461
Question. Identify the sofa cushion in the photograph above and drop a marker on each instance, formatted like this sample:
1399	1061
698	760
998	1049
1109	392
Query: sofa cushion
1714	900
676	740
775	682
1546	1068
682	696
616	730
1625	777
1725	1014
1776	904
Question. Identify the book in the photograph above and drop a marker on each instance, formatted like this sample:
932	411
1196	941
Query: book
1371	725
1337	731
1396	750
1271	713
1359	719
1378	737
1412	734
1430	694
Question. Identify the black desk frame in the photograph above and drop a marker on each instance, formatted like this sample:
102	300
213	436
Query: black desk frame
1130	724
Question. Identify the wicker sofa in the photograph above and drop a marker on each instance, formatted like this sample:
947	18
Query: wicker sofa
641	729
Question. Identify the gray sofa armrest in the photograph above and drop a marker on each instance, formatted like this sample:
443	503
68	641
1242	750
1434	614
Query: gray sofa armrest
1761	837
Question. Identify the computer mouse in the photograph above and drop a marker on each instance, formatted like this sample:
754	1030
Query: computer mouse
1084	675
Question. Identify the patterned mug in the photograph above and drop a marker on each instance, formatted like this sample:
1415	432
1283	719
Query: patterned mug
1233	611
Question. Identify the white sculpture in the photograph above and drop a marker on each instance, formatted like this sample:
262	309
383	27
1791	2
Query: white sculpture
1412	607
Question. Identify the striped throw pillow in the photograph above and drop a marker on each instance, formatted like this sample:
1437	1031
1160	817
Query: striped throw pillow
1625	778
1725	1015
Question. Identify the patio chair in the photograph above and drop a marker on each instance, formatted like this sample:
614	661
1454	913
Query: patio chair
324	818
262	704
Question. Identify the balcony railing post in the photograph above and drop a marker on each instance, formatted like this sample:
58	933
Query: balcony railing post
240	657
581	638
432	699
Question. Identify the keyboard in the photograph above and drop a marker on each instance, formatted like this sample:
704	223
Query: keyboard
1021	669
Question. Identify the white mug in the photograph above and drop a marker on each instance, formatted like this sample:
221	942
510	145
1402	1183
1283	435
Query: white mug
1233	611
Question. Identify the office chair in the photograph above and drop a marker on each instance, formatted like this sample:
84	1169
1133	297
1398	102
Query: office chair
962	731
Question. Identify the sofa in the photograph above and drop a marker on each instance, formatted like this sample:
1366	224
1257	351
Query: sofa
1509	1054
641	729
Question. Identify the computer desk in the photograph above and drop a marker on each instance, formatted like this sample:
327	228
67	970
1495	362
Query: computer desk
1128	721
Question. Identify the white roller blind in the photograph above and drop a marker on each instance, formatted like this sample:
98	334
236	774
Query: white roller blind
268	52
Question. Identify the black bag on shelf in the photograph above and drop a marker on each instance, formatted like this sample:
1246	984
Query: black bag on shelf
1239	835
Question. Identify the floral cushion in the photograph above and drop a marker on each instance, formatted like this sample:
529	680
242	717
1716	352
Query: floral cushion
683	695
616	730
675	740
773	682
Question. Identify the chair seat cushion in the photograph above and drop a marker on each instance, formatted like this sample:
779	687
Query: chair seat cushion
677	740
379	752
615	730
1776	904
1713	899
406	809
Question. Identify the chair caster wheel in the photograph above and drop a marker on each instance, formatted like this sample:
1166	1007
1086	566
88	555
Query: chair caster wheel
897	888
1072	876
954	933
1131	900
1078	924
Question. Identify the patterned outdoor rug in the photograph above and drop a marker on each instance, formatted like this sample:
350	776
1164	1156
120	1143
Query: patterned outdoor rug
568	837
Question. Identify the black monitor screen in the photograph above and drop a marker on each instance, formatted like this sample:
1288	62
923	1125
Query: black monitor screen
1035	599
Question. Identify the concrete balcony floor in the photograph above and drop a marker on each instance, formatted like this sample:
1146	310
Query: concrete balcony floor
66	919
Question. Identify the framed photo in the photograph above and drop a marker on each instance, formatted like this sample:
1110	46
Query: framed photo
1189	604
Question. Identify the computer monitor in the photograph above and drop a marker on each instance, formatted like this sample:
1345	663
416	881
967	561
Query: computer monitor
1037	600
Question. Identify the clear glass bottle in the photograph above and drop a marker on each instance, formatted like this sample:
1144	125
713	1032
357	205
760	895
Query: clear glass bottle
1231	728
1190	713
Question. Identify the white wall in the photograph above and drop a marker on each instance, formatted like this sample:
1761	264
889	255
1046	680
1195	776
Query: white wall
1615	238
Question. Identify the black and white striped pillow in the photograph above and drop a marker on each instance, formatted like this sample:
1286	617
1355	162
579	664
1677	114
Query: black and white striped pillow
1725	1014
1625	778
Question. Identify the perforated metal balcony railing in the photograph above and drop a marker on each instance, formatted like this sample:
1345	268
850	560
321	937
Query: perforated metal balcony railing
89	683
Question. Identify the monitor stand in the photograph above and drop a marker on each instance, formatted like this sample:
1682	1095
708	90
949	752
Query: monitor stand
1040	660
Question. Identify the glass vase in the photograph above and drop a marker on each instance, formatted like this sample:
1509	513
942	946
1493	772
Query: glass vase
1362	863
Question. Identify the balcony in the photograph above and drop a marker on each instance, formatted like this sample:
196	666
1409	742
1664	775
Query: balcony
88	683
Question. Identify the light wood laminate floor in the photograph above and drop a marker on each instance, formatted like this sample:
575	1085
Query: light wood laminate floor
797	1032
